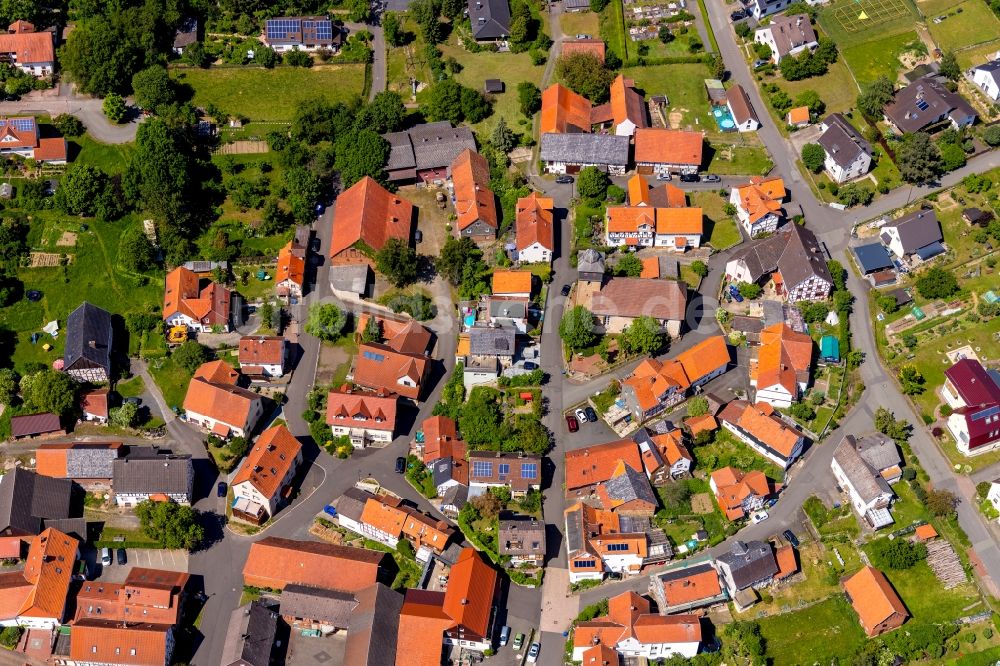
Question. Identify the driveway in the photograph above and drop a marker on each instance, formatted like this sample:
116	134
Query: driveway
151	558
87	109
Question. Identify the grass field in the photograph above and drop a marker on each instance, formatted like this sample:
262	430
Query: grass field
967	24
720	228
406	61
684	86
851	22
271	94
878	56
112	158
172	379
836	88
580	23
738	160
977	55
612	29
819	634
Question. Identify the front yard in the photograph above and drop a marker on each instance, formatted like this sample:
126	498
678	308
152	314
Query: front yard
720	228
825	632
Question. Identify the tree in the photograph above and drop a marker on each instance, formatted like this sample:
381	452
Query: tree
126	416
665	35
81	189
397	261
814	312
135	252
426	13
315	119
749	290
358	10
152	88
991	135
529	98
743	643
190	355
718	67
114	107
952	156
697	406
475	106
502	137
584	73
941	502
391	29
454	256
937	282
577	328
699	268
592	183
918	158
69	125
813	157
372	331
49	391
629	265
297	58
855	194
444	101
948	67
385	113
362	154
896	554
911	380
875	96
326	321
802	411
597	6
643	336
887	424
616	194
811	99
8	386
170	524
196	55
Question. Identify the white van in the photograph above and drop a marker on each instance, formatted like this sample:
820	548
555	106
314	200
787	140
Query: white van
106	557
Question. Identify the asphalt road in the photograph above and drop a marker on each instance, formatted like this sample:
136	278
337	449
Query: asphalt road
87	109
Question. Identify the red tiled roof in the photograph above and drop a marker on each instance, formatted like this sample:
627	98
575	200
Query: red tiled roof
368	213
274	562
29	47
363	410
626	103
108	642
182	294
95	402
593	46
441	439
256	350
380	367
50	150
873	599
474	200
655	145
274	453
564	111
49	568
534	222
291	266
596	464
471	586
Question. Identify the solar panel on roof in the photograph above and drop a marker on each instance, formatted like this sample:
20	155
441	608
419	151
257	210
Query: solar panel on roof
482	468
922	105
372	356
529	471
986	413
22	124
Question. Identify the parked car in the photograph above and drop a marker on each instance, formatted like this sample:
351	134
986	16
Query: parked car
504	636
581	416
710	178
122	559
583	36
134	401
518	642
530	365
418	236
663	176
689	178
565	290
400	465
759	517
533	652
791	538
563	180
738	14
734	291
760	62
591	414
106	557
572	423
330	510
220	489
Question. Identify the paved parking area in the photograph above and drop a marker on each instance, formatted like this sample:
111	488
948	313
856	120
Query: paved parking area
315	650
167	560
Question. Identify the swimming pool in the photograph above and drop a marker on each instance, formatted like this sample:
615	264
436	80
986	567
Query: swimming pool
723	118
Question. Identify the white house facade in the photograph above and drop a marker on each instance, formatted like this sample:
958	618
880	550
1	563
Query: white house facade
256	410
987	79
536	253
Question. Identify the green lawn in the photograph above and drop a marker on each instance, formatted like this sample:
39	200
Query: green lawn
879	56
131	388
727	160
821	633
172	379
926	599
580	23
684	86
721	229
679	46
885	170
112	158
836	88
727	451
612	30
968	23
833	16
978	55
270	94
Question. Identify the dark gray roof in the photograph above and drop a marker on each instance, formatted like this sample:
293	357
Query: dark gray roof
456	496
879	451
867	482
748	324
601	149
490	19
576	532
331	607
872	257
521	535
632	485
187	33
841	141
353	279
590	261
352	503
428	146
88	338
27	500
793	251
901	295
492	341
923	102
750	563
143	472
373	627
508	307
918	229
441	470
685	572
250	636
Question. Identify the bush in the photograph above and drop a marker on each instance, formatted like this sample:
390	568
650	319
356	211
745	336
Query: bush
896	554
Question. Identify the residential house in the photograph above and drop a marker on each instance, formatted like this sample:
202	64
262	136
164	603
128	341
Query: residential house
266	474
590	266
798	116
917	233
275	562
591	466
993	494
475	205
108	643
664	196
870	494
368	419
601	654
87	357
290	276
534	230
463	615
185	35
508	313
498	343
35	425
250	635
633	630
848	155
762	429
621	300
872	258
787	36
513	284
569	153
90	464
594	47
564	111
186	303
926	102
761	8
215	403
974	395
519	472
30	503
441	439
301	33
739	493
748	564
263	355
19	136
655	385
147	473
425	152
400	333
791	258
387	520
313	609
625	113
490	20
878	606
153	595
644	226
366	216
882	455
372	629
94	405
987	77
597	543
780	371
687	588
627	492
758	204
522	539
663	151
480	370
381	368
36	597
29	50
741	109
447	473
664	456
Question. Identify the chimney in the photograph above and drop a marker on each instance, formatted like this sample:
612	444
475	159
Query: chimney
92	344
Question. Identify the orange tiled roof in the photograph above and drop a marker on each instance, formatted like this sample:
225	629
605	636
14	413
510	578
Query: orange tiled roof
759	421
274	562
798	115
671	446
380	367
926	532
534	222
422	623
761	197
224	403
49	568
784	358
652	379
217	372
650	268
697	586
511	282
474	200
596	464
623	219
638	191
182	294
593	46
705	357
628	617
108	642
787	565
28	47
273	454
368	410
655	145
291	266
50	150
626	103
262	350
95	402
471	586
405	336
600	655
703	423
873	598
564	111
51	461
679	221
441	439
733	486
150	594
675	196
368	213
